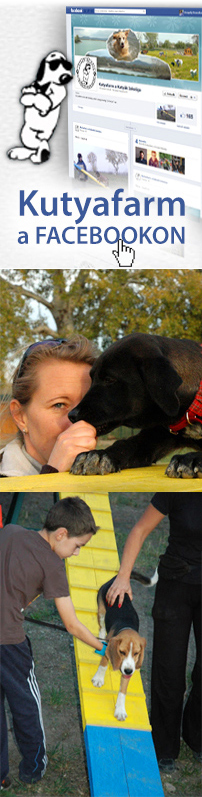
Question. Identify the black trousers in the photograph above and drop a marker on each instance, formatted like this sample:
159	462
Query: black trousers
19	685
177	605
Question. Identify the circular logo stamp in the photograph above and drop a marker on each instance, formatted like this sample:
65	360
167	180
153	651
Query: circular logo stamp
86	72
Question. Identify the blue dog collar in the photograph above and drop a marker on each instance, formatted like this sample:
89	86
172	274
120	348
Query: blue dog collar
102	652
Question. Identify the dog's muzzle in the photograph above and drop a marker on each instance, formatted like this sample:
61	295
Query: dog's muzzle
73	415
65	79
127	672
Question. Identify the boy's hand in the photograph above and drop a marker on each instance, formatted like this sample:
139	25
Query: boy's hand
74	626
104	646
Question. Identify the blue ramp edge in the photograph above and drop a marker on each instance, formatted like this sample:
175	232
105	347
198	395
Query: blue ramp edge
121	763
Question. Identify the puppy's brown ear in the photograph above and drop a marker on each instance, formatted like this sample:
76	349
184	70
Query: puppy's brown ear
127	32
162	381
113	654
143	643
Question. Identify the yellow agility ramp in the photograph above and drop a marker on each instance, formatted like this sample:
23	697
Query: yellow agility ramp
120	755
151	479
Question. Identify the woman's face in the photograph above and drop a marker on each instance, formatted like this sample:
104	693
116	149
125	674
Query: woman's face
61	385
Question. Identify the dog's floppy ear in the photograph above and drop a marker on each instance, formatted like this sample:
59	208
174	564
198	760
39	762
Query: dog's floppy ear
162	381
41	70
112	653
143	643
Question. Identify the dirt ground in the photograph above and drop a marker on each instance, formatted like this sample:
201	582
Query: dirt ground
56	671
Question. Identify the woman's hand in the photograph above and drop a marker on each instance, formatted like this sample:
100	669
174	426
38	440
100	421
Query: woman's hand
78	438
119	587
146	523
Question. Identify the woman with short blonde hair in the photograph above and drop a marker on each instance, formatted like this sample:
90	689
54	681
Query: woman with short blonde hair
51	378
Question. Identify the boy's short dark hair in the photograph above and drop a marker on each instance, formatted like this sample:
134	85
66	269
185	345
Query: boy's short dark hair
72	514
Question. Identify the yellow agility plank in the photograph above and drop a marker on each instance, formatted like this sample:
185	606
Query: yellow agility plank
99	710
138	480
112	680
90	599
105	539
94	566
105	559
103	519
80	576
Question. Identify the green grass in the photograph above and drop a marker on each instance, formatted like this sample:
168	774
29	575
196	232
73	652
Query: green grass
126	510
56	696
180	72
42	609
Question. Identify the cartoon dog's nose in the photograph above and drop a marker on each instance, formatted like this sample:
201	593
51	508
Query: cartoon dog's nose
73	415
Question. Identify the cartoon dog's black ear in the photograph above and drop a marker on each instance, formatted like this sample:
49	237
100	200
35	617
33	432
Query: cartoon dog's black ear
41	70
162	381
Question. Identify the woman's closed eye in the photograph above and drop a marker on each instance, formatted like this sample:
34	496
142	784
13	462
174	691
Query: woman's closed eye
60	405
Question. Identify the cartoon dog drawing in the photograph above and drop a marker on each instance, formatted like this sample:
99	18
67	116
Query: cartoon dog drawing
42	100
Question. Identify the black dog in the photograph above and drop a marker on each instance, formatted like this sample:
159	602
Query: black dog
148	382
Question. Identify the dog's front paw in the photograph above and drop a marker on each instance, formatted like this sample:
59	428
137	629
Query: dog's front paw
120	714
94	462
98	679
120	711
185	466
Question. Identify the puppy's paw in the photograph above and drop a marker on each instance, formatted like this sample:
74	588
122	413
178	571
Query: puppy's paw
98	679
94	462
120	711
120	714
185	466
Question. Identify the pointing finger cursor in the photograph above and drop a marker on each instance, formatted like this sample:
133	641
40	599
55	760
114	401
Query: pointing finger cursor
124	255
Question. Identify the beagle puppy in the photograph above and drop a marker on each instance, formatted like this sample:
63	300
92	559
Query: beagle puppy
125	649
41	101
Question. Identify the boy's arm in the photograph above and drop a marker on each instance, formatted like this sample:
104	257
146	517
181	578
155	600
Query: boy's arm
72	624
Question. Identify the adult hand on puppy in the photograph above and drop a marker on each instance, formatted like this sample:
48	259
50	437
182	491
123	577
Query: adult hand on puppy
78	438
119	587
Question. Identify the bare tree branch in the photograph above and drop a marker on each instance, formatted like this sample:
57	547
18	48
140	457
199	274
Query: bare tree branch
31	295
41	329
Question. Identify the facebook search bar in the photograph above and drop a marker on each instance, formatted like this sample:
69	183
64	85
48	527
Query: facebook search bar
120	11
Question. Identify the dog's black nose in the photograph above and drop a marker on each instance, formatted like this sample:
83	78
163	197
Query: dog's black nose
128	671
73	415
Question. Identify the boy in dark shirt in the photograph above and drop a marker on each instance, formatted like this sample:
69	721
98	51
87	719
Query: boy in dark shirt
31	563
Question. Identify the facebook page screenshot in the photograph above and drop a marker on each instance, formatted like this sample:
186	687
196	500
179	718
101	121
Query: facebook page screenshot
134	105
